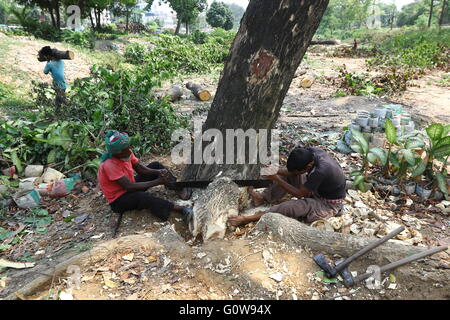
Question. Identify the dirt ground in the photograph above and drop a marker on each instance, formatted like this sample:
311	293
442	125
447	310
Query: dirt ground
246	264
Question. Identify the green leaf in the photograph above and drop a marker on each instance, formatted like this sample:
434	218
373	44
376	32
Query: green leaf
16	161
394	160
380	154
51	157
68	219
372	158
442	151
446	131
442	182
41	230
40	212
419	169
361	140
355	173
409	156
391	133
414	143
442	142
358	180
356	148
435	131
4	247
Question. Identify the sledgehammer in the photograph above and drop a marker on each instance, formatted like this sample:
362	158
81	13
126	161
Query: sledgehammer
342	264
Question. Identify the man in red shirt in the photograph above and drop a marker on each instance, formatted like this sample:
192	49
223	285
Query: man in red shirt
123	190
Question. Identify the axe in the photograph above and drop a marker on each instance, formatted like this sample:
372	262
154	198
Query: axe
342	264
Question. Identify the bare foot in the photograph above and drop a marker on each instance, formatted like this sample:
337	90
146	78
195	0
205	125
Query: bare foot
257	198
236	221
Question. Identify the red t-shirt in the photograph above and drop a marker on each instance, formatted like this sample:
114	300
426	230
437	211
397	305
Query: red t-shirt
112	170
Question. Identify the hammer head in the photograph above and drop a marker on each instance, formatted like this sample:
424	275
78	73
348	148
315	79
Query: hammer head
322	262
346	275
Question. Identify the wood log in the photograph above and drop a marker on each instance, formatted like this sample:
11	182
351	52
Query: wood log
175	93
200	93
327	42
296	233
307	81
60	55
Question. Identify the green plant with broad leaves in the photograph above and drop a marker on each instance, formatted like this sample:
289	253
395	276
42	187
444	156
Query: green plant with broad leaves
369	155
437	147
403	158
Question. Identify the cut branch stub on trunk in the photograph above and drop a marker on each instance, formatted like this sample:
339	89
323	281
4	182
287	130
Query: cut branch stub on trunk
200	93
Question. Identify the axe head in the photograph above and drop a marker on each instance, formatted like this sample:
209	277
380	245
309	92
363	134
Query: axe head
322	262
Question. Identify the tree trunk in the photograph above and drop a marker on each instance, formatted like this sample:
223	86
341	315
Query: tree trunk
50	9
320	241
92	20
267	50
444	10
431	13
58	15
98	17
126	21
187	28
177	30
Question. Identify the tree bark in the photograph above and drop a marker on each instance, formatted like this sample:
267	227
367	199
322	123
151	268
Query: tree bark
296	233
444	10
177	30
126	22
92	20
267	50
431	13
58	15
50	9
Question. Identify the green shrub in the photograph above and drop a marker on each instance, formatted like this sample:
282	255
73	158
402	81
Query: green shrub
120	100
135	53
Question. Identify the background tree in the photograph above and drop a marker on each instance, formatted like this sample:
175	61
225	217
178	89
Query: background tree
238	12
220	15
187	11
52	7
124	8
267	50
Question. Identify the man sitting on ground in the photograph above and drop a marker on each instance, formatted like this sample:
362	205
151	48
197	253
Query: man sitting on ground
314	177
123	190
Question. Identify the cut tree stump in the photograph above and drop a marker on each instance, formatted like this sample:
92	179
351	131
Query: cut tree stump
307	81
200	93
175	93
213	206
296	233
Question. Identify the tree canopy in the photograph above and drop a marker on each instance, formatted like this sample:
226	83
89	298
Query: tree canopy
220	15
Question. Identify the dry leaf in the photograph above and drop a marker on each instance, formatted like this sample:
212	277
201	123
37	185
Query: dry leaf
108	282
151	259
125	276
128	257
89	277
